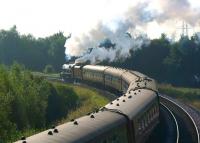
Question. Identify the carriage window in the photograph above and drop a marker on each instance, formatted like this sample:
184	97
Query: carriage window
108	78
143	124
115	80
149	117
140	125
155	110
145	121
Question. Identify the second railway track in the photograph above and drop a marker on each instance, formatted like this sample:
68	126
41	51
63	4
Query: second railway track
167	131
188	131
183	129
173	127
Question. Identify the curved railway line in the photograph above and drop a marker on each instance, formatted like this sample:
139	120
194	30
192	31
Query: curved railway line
130	118
174	126
188	130
173	132
167	131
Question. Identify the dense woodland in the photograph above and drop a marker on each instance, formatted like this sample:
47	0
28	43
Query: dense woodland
34	53
28	102
177	63
170	62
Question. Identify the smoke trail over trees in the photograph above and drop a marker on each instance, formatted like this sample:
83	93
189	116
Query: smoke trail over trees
123	35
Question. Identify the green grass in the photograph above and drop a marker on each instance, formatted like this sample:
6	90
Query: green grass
51	75
90	100
189	96
26	133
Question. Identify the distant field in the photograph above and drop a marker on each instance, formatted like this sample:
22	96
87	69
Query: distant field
52	75
190	96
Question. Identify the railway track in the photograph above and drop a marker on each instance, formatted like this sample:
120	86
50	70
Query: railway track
173	127
188	130
179	126
167	131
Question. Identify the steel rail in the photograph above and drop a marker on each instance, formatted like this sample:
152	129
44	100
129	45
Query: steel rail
188	115
175	121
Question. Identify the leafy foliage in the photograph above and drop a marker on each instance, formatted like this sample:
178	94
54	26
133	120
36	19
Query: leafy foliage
28	101
169	62
190	96
34	53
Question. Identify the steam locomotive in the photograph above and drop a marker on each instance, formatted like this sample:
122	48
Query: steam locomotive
130	118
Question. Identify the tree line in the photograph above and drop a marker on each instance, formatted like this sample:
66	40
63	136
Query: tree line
34	53
167	62
28	102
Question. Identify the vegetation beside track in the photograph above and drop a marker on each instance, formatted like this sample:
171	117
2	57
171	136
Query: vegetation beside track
90	100
46	75
30	103
189	96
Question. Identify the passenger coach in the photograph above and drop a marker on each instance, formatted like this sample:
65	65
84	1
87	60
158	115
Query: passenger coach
130	118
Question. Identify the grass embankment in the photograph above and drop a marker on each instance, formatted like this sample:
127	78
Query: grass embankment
189	96
46	75
90	100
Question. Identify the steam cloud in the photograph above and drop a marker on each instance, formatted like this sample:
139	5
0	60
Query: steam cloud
138	15
178	9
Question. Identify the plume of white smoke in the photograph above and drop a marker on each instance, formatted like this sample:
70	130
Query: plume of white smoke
124	44
138	15
178	9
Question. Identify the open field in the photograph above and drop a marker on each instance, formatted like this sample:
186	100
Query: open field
189	96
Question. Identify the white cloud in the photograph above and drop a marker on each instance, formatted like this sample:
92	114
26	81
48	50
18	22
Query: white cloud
45	17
